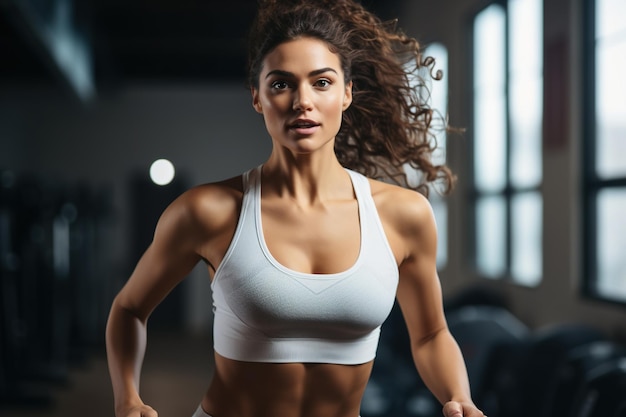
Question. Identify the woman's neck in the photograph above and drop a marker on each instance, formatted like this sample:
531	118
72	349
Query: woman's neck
305	179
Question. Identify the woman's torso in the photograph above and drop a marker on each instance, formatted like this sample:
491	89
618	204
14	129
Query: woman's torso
328	242
253	389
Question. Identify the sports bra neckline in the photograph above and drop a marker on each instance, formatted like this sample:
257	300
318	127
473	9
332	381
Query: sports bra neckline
255	184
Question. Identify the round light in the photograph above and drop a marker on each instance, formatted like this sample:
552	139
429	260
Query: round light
162	172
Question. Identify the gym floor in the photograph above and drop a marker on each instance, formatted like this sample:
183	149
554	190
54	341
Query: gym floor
176	372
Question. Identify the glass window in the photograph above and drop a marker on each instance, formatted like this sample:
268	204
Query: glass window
491	239
439	103
435	92
507	140
490	99
605	156
610	90
611	281
526	222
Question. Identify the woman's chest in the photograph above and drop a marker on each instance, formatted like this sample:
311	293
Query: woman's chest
315	241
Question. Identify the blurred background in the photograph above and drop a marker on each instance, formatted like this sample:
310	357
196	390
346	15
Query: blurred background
109	109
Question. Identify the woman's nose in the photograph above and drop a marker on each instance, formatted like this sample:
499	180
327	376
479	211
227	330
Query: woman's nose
302	100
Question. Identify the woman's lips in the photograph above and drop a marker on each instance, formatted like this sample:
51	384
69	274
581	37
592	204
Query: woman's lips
304	126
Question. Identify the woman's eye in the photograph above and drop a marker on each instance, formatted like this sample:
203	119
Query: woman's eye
323	83
279	85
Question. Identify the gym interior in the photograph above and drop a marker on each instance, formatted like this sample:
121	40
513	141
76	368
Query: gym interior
109	109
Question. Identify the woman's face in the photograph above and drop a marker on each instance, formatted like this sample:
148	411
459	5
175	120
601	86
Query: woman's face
302	95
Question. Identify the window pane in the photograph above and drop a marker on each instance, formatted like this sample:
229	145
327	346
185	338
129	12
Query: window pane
489	100
491	236
525	37
526	91
440	210
490	142
610	17
611	279
611	108
526	238
489	48
526	98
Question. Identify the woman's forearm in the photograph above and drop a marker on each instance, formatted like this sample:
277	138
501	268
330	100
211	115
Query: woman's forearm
126	345
441	366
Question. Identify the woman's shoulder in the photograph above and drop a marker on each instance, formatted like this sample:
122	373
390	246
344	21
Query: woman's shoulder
209	204
212	193
401	206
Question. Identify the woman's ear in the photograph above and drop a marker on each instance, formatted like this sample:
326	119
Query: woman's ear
347	99
256	103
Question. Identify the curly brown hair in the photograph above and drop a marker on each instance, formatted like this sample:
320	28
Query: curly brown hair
389	124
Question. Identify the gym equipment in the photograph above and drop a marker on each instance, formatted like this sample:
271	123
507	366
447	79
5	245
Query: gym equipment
572	373
604	391
518	382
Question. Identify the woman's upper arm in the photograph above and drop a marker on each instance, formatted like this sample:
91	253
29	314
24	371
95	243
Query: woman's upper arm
419	289
172	254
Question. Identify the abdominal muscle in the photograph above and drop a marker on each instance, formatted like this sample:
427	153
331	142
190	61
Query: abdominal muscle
250	389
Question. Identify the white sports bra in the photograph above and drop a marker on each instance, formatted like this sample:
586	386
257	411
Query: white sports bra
265	312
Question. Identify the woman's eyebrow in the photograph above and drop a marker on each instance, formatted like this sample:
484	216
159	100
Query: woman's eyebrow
288	74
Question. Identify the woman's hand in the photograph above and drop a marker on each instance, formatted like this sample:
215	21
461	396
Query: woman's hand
138	411
461	409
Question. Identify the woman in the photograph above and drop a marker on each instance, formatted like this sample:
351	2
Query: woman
306	256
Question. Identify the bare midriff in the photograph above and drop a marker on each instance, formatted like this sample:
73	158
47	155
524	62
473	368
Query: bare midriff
250	389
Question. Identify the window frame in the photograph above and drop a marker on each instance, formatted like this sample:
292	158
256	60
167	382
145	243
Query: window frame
591	183
509	191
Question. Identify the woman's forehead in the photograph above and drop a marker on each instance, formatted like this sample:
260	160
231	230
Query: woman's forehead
302	55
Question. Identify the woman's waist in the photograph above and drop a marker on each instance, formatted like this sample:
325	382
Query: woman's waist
286	389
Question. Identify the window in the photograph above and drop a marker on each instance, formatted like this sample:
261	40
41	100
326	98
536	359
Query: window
507	136
605	156
435	92
439	103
